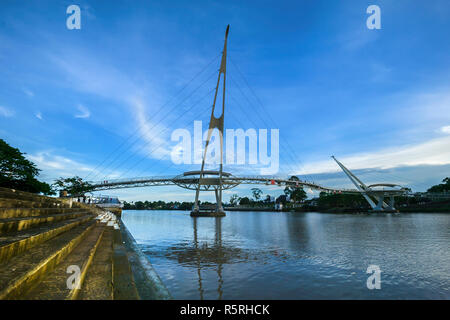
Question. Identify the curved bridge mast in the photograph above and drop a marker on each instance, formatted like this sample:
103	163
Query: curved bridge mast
215	123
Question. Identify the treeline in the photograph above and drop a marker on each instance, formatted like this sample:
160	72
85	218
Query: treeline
443	187
337	200
158	205
325	201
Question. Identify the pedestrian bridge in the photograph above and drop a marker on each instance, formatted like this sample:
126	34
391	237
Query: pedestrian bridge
212	180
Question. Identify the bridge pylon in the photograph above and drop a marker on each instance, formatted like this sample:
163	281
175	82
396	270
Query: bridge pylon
214	123
367	192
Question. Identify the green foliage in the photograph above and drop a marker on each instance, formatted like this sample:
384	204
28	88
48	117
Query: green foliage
74	186
244	201
281	199
335	200
443	187
256	193
17	172
297	194
158	205
234	199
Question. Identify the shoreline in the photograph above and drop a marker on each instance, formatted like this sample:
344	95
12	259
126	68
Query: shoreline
320	210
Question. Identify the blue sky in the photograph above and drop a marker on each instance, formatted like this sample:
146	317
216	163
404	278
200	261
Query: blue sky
101	102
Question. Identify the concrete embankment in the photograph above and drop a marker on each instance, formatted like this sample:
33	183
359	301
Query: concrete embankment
53	248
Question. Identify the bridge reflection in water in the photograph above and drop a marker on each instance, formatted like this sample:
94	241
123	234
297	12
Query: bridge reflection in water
201	255
268	255
215	255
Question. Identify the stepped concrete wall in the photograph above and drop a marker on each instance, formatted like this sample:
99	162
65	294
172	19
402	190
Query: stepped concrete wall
56	248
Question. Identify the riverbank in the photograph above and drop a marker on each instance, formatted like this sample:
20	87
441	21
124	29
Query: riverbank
435	206
341	210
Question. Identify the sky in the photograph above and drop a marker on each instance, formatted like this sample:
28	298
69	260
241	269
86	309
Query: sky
101	102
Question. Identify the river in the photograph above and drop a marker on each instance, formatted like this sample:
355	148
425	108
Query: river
287	255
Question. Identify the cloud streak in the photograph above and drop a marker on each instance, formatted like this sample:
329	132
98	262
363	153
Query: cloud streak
433	152
5	112
445	129
84	112
110	83
53	165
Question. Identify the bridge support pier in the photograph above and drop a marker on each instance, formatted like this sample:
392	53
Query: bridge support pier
382	206
216	211
391	203
218	201
380	202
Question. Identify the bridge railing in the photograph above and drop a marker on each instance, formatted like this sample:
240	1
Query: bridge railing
130	180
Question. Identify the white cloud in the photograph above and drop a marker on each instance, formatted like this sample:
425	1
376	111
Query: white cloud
445	129
88	74
84	112
5	112
58	165
432	152
54	166
155	142
28	92
39	115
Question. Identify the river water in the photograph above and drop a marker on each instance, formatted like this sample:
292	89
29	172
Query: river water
284	255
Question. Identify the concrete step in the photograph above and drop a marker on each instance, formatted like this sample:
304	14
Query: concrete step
98	282
54	286
21	195
21	241
17	203
6	213
19	224
124	287
21	273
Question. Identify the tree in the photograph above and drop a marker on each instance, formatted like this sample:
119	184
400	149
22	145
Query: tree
256	193
74	186
139	205
234	199
244	201
441	187
281	199
17	172
128	206
334	200
296	193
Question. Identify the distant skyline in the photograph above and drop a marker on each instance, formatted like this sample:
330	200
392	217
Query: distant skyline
101	102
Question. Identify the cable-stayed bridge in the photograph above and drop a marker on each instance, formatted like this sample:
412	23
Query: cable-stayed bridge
218	180
210	181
